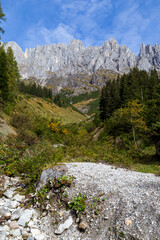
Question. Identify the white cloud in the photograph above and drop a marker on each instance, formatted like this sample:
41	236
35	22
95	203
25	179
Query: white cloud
128	26
88	19
84	16
79	19
40	35
95	21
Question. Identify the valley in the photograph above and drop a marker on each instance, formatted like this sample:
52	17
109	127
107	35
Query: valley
60	149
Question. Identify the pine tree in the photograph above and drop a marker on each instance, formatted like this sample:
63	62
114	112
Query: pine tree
102	104
124	89
2	17
153	84
13	72
4	79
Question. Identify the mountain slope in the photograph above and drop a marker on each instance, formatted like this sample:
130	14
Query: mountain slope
49	110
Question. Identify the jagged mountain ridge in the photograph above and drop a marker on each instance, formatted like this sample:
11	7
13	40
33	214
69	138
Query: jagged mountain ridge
60	65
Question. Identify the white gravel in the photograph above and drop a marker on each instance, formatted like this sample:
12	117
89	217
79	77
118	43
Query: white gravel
130	197
106	178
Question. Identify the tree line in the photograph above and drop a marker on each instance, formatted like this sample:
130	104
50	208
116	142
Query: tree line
137	84
132	104
35	89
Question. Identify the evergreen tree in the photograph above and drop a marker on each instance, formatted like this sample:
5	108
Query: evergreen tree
4	79
102	104
13	72
110	99
153	82
124	89
34	89
137	84
2	17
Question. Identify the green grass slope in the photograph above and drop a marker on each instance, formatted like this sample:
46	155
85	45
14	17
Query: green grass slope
34	105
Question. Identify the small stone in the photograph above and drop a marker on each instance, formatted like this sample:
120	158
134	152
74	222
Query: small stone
13	225
44	214
38	204
40	237
2	211
2	202
48	206
14	180
16	233
61	213
14	204
19	198
35	232
128	222
30	224
83	225
5	228
7	215
64	226
34	226
26	235
77	220
2	235
30	238
7	183
16	214
47	197
8	193
24	219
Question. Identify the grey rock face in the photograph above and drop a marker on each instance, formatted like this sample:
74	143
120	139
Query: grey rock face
51	173
149	57
50	63
62	60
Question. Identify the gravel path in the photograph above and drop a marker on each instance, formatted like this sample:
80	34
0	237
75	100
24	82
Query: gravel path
132	185
130	196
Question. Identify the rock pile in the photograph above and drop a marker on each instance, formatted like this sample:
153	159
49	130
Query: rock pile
16	220
119	204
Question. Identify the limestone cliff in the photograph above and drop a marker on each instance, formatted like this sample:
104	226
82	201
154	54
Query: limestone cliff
58	65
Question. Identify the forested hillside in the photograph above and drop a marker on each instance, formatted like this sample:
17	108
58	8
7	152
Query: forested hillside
130	106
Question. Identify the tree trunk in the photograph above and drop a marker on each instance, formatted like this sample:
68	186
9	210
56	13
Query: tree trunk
134	135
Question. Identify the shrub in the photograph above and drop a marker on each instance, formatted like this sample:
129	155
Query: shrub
29	137
78	203
20	120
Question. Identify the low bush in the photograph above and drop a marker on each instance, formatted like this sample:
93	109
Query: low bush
20	120
78	203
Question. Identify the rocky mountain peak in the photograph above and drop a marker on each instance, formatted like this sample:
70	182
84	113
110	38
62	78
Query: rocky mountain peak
149	57
58	61
19	54
113	43
77	44
110	44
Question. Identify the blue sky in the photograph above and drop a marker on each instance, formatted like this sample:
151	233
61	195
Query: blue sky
39	22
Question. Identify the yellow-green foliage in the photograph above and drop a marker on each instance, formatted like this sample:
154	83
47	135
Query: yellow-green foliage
57	127
48	110
53	127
